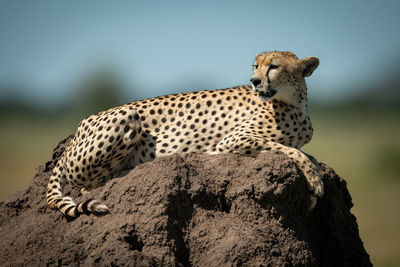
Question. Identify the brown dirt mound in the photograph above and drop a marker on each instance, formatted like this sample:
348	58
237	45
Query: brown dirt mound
193	210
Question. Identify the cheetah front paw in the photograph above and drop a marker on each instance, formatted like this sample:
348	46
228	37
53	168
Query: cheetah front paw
316	187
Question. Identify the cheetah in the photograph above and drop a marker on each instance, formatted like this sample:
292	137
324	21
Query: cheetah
269	114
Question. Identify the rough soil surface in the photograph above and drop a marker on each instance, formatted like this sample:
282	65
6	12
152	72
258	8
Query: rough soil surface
193	210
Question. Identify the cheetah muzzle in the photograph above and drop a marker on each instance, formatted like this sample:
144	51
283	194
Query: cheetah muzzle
269	93
269	115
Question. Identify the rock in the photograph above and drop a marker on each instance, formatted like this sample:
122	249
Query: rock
191	210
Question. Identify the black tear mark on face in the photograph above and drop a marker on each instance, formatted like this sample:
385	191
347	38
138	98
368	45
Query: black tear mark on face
271	67
270	92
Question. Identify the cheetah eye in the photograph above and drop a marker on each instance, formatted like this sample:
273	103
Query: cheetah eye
255	66
272	67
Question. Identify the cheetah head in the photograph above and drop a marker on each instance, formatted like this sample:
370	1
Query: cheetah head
280	75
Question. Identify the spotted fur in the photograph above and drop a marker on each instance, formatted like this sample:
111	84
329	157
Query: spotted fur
269	115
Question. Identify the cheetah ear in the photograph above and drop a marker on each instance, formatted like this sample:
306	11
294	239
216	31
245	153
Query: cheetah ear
309	65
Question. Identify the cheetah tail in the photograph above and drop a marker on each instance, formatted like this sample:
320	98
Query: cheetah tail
66	205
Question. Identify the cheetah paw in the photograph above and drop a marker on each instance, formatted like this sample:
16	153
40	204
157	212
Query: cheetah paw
316	186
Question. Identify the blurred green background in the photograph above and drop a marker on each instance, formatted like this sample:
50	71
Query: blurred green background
61	61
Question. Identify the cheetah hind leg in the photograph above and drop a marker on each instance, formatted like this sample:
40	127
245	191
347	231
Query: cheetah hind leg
122	125
130	137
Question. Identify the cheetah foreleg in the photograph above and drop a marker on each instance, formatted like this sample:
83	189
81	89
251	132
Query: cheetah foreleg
252	145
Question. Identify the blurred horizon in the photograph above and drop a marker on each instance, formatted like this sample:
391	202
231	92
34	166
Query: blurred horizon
159	48
64	60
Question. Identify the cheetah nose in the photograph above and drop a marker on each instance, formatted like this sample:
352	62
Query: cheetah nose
255	81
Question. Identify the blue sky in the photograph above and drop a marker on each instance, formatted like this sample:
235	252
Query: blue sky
160	47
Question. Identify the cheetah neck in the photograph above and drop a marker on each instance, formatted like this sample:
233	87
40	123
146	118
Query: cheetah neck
296	98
